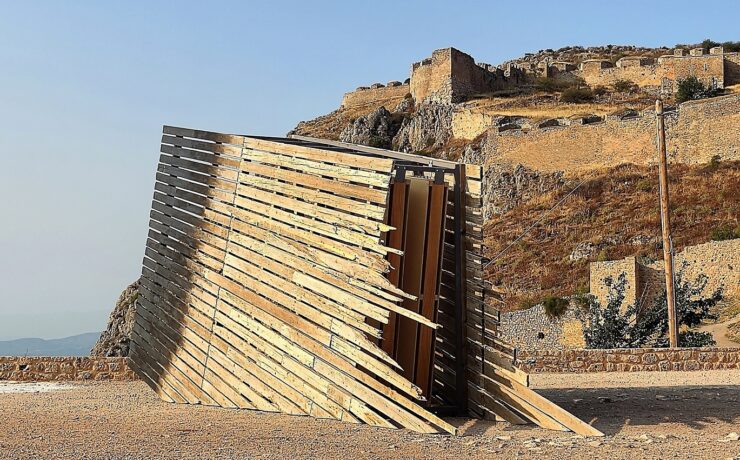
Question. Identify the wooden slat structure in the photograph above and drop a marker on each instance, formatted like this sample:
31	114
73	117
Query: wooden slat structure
267	284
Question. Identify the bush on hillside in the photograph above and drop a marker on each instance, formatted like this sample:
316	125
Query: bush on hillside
726	232
577	95
600	90
729	47
691	89
555	307
624	86
551	85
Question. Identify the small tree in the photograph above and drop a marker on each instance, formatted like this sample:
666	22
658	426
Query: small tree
606	326
691	89
614	326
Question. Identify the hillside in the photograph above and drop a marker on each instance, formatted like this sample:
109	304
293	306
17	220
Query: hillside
614	214
76	345
540	125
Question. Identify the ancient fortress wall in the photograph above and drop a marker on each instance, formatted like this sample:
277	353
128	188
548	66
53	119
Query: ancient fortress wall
732	69
661	77
532	329
696	132
449	76
430	78
718	260
390	94
468	124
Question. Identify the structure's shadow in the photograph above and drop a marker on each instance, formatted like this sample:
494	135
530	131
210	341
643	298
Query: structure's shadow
611	409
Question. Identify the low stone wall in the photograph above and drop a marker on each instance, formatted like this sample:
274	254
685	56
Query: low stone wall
47	369
628	360
532	329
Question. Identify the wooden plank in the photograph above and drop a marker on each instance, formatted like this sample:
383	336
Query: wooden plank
328	156
413	267
397	219
430	286
345	189
546	406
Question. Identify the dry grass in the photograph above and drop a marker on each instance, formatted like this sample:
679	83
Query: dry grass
543	105
331	125
611	208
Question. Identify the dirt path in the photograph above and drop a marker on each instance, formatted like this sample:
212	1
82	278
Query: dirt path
645	415
719	332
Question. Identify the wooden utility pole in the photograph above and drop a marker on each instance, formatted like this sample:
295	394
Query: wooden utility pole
666	227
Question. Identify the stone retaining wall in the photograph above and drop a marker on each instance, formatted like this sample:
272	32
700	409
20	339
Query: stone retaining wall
46	369
628	360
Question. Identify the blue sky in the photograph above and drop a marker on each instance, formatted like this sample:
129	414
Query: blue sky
85	88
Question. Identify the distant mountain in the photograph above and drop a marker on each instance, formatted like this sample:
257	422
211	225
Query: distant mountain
77	345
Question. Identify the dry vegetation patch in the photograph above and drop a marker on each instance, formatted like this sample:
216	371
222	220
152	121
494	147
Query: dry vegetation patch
614	214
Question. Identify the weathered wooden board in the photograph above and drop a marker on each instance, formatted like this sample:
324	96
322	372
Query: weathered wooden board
263	265
267	284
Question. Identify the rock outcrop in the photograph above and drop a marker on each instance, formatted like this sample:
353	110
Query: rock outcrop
114	341
376	129
428	129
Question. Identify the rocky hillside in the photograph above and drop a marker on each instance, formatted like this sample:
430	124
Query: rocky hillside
114	341
614	213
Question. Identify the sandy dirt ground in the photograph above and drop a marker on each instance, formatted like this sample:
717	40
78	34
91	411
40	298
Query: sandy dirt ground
645	416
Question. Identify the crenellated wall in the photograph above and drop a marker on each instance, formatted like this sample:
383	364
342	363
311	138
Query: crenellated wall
390	94
660	77
696	132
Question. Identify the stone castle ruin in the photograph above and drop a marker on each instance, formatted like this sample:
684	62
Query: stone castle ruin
451	76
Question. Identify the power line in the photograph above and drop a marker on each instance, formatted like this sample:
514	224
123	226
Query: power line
534	224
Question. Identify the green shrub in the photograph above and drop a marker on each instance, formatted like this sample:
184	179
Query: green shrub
624	86
603	256
555	307
551	85
726	232
577	95
616	326
600	90
645	185
527	303
691	89
730	47
714	163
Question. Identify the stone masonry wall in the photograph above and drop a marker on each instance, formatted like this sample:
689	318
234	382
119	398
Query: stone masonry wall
532	329
732	69
390	95
660	77
696	131
450	76
47	369
431	78
718	260
628	360
600	271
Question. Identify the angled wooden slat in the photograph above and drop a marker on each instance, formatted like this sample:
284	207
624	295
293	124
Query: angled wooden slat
264	286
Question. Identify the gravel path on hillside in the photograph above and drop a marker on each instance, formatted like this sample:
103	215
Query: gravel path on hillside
645	415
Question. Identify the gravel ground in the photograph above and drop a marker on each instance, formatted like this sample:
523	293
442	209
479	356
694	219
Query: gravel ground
645	415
